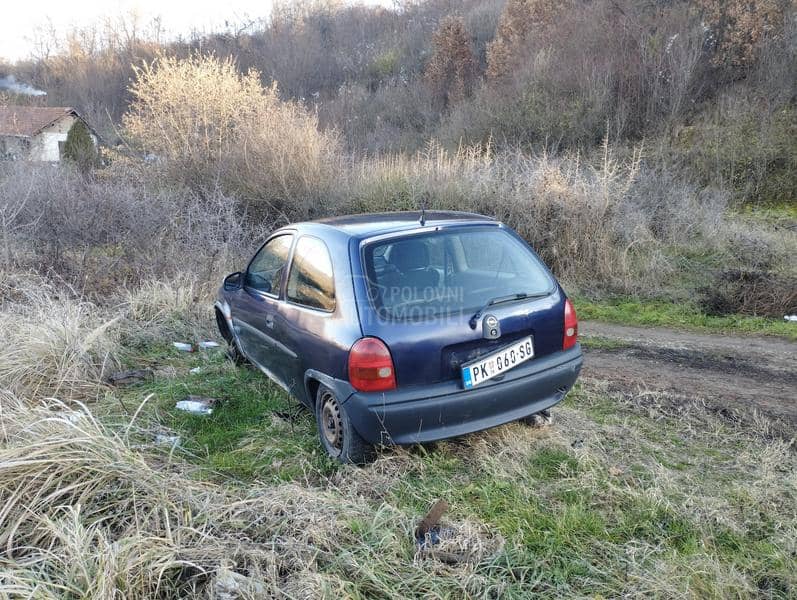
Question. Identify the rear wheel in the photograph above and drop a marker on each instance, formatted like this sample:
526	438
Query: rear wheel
544	418
338	436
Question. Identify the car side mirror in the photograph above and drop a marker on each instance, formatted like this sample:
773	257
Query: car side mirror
257	282
233	281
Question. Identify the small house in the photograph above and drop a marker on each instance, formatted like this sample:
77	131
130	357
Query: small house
37	133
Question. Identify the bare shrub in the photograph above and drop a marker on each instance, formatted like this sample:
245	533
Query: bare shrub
739	27
117	230
756	293
211	125
451	72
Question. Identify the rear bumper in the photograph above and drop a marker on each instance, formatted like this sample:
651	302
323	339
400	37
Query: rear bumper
445	410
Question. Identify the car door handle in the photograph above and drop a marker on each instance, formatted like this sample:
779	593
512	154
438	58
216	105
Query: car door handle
270	321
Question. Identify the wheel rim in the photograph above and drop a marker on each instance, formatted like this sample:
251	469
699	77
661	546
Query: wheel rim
331	422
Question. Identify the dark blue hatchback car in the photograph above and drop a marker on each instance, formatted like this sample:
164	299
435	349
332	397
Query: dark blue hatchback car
401	328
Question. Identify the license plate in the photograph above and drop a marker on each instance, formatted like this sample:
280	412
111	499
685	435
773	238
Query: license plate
497	363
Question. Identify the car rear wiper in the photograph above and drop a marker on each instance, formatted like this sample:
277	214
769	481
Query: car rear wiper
501	300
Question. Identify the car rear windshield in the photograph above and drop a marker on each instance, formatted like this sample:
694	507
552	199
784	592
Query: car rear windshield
446	272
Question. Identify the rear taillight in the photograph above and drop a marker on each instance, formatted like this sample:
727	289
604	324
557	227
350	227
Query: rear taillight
571	326
370	366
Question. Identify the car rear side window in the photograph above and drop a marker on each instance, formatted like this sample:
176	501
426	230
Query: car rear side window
265	271
310	282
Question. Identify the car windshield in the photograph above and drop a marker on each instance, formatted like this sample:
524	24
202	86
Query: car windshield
450	271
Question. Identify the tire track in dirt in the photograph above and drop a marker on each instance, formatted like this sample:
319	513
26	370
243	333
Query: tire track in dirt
725	371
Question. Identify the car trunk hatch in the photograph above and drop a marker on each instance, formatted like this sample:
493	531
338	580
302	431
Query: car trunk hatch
434	350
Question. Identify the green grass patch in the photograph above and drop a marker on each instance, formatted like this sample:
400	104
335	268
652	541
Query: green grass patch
662	313
255	432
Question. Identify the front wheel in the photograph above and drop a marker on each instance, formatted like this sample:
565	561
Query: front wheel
233	351
235	354
338	436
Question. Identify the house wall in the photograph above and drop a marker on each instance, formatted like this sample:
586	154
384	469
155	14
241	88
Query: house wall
44	146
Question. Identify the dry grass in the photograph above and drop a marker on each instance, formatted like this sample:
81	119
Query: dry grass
659	497
161	301
608	223
86	513
629	495
57	344
54	346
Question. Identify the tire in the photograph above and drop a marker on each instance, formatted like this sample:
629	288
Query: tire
233	352
235	355
539	420
338	436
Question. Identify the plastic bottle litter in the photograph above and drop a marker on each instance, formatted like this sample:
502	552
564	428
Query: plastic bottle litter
792	318
208	344
201	406
195	370
182	346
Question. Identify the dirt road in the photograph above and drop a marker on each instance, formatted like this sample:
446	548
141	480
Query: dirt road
725	371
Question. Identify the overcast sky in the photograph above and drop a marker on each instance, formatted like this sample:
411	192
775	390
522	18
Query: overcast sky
21	18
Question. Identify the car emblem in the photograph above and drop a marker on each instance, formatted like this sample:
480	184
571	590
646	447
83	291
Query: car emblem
491	329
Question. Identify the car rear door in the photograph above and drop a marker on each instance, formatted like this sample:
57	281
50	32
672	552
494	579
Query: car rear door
318	318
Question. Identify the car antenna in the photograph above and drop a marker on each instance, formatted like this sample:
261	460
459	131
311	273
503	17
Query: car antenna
423	209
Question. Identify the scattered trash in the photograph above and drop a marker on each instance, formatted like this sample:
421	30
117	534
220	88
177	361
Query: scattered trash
130	377
792	318
428	530
195	370
453	545
429	534
230	585
204	345
197	405
167	440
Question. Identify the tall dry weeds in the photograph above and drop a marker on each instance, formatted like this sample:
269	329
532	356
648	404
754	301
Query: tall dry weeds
53	344
589	220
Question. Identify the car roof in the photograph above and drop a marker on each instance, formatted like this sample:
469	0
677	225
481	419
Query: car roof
371	224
